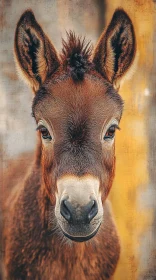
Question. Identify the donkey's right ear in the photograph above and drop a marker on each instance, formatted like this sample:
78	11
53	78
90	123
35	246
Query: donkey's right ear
35	54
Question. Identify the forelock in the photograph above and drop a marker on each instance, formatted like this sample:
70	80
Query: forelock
75	56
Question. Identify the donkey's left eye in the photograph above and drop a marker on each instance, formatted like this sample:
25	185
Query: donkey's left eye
44	132
110	132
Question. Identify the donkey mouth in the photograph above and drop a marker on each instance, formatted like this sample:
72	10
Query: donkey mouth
81	238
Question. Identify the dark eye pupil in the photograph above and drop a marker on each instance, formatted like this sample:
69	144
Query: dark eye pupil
110	133
45	133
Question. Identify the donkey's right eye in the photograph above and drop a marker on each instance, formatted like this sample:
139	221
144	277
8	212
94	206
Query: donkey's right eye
44	132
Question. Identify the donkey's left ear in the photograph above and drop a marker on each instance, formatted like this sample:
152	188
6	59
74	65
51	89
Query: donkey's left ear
35	54
116	48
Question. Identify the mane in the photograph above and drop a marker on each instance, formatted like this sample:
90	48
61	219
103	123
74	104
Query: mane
76	55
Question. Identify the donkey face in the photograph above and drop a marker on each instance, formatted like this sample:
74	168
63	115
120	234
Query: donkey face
77	111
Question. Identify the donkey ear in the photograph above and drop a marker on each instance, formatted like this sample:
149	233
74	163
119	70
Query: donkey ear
116	48
35	54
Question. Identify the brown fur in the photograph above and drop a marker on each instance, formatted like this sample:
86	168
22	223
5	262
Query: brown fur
76	97
44	256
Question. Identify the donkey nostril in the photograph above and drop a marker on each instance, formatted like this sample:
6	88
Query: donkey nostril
93	210
74	215
64	210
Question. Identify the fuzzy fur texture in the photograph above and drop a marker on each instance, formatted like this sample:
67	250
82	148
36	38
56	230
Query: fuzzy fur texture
75	94
33	252
75	56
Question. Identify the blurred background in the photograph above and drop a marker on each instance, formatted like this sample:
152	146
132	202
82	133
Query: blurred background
133	194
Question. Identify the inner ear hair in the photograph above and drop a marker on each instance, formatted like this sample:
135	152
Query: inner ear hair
35	55
116	48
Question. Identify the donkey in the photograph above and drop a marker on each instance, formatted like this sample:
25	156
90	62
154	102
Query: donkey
58	221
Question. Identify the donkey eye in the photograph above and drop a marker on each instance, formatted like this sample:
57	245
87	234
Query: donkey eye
111	132
44	132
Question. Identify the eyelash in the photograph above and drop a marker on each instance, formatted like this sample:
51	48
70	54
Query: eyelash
109	135
44	132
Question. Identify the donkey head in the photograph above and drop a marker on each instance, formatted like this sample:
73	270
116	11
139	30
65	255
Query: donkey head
77	110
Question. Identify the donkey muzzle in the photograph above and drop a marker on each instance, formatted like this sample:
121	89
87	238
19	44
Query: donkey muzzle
79	209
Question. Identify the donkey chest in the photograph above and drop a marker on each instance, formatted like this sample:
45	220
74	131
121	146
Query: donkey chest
71	265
